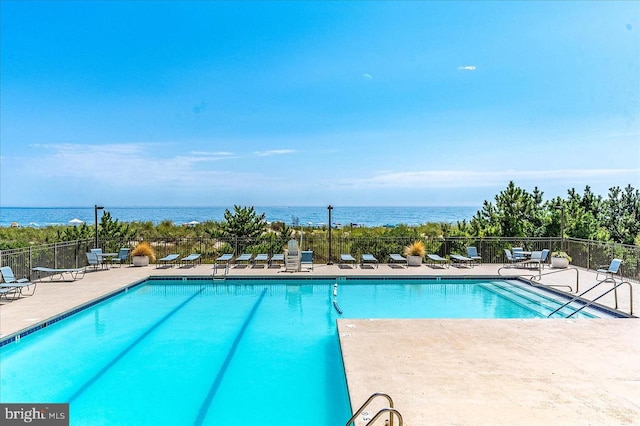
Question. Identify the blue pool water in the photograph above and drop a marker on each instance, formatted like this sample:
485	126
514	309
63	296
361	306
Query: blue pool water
246	352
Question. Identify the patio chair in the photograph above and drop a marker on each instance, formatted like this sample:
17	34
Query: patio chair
59	273
398	258
278	257
191	260
437	260
306	258
472	253
261	257
123	256
368	258
610	271
224	260
346	258
459	260
169	260
518	254
14	285
244	257
510	259
94	260
534	261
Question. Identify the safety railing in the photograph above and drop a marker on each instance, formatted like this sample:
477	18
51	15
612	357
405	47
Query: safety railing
538	277
392	411
587	303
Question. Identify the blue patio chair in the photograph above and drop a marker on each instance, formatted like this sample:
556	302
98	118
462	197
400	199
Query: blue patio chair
472	253
368	258
398	258
168	260
123	256
306	258
613	269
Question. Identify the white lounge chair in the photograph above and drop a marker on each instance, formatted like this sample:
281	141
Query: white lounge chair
59	273
14	285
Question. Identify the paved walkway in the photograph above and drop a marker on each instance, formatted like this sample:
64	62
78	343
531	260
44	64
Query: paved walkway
442	372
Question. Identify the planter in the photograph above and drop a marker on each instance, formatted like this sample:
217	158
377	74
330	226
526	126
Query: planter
559	262
414	260
140	260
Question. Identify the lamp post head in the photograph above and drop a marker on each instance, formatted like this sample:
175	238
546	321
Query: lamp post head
97	207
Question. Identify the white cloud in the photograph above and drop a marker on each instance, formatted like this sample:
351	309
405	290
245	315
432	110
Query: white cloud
467	68
273	152
367	76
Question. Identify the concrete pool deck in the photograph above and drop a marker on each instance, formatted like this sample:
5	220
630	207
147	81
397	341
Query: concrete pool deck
441	371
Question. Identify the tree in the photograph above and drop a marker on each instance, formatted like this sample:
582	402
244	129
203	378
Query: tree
244	223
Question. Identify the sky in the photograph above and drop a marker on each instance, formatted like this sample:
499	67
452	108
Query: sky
293	103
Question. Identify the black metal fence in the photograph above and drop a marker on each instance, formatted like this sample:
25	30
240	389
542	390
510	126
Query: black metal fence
585	253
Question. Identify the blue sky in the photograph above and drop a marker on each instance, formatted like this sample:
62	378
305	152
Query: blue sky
203	103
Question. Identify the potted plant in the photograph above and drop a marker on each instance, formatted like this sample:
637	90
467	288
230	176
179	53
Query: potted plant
143	253
560	259
415	253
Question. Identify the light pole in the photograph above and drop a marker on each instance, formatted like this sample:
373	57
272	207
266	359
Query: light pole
561	208
330	208
95	214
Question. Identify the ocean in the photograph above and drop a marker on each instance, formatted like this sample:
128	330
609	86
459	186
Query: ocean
312	216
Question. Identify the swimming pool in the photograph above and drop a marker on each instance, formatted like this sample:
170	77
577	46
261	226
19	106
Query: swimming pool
247	352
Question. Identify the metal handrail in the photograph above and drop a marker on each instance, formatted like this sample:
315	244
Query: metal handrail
608	291
591	288
389	410
539	276
366	404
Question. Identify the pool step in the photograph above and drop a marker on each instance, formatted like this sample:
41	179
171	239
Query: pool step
536	302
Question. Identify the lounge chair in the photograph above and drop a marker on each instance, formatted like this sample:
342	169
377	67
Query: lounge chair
168	260
123	256
244	257
306	258
58	274
191	260
613	269
368	258
292	256
398	258
472	253
14	285
278	257
346	258
437	260
261	257
459	260
224	260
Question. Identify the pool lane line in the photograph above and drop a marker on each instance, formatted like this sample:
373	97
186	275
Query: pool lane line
204	408
133	344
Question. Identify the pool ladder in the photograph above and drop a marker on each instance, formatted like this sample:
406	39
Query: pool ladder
390	410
